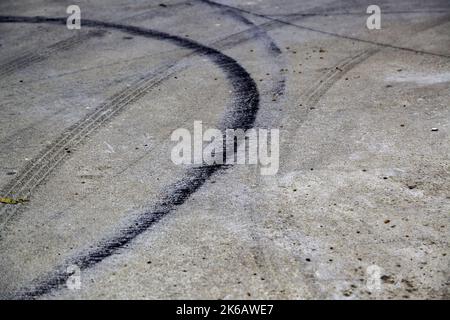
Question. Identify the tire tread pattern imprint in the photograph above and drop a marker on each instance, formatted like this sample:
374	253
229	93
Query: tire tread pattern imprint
41	166
39	55
242	115
314	94
265	262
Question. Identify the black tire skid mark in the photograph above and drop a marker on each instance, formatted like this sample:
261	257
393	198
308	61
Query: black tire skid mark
237	38
284	23
258	32
11	189
262	261
326	89
29	58
32	175
220	44
29	174
242	116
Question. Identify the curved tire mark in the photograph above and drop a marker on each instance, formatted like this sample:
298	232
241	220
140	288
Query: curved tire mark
33	175
263	262
242	115
47	160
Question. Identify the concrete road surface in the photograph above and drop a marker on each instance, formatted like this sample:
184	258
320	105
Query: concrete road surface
93	207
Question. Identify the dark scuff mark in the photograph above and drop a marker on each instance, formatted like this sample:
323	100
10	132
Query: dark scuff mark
241	116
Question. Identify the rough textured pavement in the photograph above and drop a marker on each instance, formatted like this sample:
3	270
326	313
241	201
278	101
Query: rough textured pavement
362	195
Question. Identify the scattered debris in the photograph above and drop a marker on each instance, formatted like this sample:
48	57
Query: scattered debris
412	186
387	279
347	293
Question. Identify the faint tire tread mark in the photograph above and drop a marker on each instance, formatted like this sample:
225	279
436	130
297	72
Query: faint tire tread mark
37	170
314	94
242	115
41	55
23	180
120	94
245	35
235	38
342	36
263	262
255	32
